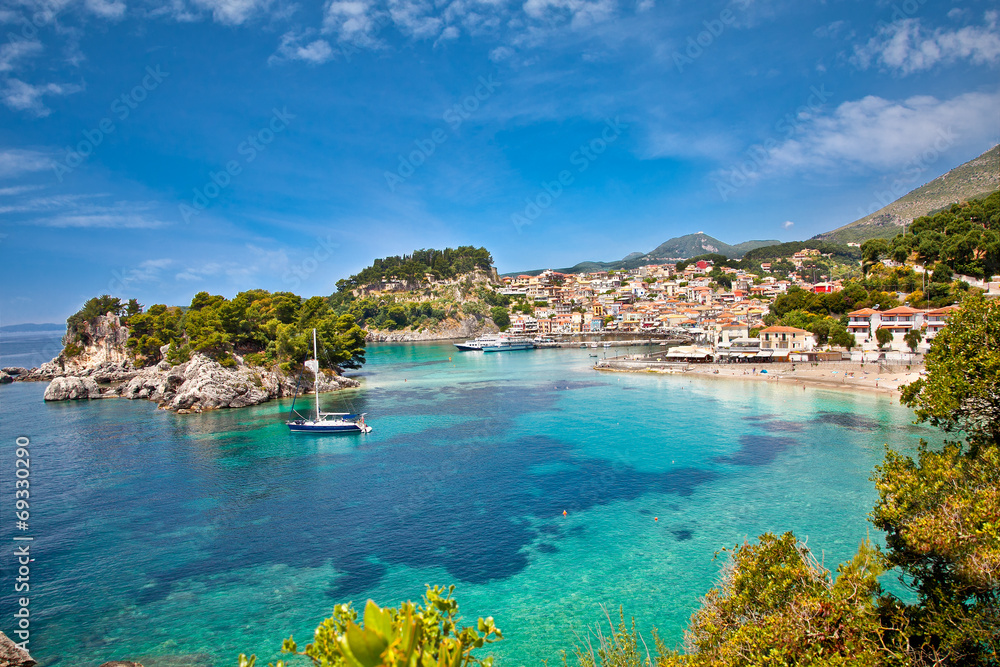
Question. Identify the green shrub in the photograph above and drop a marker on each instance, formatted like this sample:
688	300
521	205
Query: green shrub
413	635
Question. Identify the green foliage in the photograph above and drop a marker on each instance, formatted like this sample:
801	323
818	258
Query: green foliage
962	389
839	252
913	338
883	336
446	263
500	317
618	649
777	605
941	512
76	324
425	635
265	328
854	296
964	238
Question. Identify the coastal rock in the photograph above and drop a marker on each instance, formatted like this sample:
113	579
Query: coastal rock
12	655
101	342
209	386
72	388
470	327
14	370
121	663
203	384
5	378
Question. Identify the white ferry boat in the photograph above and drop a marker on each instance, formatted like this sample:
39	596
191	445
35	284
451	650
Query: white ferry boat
479	343
510	343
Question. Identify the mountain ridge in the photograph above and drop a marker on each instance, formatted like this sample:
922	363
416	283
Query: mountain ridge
673	250
971	180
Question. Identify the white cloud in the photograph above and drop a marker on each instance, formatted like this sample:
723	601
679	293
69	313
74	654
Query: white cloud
501	53
880	134
414	18
905	47
14	162
356	21
233	12
14	50
579	13
17	190
107	9
788	224
316	52
100	220
21	96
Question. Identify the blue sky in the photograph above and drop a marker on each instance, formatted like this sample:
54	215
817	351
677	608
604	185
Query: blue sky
158	149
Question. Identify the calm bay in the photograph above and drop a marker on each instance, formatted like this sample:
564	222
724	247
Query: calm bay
187	539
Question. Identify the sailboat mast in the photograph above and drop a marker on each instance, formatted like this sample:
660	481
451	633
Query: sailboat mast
316	382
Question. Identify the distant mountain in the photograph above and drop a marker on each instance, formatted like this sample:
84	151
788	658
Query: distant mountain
692	245
972	180
33	327
674	250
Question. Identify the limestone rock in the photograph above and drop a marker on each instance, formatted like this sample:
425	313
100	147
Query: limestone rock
5	378
121	663
12	655
470	327
203	384
14	370
72	388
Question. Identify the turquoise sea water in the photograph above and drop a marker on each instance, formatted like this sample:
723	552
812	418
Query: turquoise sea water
187	539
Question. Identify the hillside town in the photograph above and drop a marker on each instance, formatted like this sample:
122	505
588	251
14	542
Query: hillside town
729	322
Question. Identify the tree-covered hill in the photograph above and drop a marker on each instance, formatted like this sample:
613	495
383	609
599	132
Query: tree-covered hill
265	328
415	303
965	238
412	268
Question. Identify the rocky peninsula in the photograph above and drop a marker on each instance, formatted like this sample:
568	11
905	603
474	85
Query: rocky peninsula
104	369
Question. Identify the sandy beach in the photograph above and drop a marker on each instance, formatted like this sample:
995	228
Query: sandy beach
842	376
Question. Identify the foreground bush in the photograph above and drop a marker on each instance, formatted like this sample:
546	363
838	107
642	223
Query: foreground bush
424	635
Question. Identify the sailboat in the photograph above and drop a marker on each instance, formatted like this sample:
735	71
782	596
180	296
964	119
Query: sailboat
326	422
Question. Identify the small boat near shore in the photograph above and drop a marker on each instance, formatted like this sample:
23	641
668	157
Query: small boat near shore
325	422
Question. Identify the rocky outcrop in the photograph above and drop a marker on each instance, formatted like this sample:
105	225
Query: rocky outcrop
470	327
101	342
5	378
12	655
72	389
121	663
203	384
99	358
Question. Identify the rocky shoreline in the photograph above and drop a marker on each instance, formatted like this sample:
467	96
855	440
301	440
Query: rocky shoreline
470	327
194	386
102	368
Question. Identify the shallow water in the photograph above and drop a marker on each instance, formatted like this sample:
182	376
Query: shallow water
187	539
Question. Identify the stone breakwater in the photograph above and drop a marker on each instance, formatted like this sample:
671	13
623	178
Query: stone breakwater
194	386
